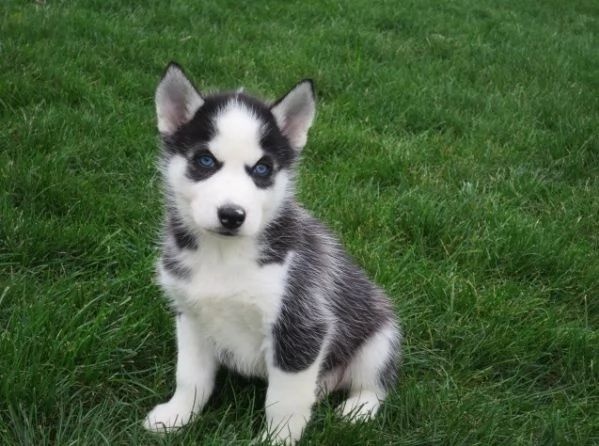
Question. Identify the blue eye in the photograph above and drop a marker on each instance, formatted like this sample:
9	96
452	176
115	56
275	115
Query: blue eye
205	161
261	170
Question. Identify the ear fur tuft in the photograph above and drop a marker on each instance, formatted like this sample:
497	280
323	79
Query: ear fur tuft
177	100
294	113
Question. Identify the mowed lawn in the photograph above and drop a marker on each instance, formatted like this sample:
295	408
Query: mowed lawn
455	152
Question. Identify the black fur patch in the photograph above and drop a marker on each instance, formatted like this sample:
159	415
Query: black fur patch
184	239
359	313
301	327
279	238
300	331
359	307
276	144
199	173
262	182
173	265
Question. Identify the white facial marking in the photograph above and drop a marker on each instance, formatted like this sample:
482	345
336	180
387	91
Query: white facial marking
238	134
237	146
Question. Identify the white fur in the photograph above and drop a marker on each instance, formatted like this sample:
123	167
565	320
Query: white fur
231	298
237	135
362	376
196	367
289	401
227	305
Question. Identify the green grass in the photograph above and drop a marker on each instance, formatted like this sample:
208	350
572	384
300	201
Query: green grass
456	153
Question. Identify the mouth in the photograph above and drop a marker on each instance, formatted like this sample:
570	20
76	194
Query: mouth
223	231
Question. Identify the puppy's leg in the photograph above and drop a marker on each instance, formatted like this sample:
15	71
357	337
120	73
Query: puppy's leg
289	401
371	374
196	369
294	361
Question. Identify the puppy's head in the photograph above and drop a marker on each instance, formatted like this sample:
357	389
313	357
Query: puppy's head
228	158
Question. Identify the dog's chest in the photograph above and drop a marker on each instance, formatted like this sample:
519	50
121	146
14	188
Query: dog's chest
235	302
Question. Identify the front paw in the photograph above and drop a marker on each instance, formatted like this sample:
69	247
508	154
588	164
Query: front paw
169	417
285	427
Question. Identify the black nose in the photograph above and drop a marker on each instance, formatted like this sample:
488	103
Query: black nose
231	217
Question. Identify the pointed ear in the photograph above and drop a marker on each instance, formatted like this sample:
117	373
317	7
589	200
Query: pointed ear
295	112
177	100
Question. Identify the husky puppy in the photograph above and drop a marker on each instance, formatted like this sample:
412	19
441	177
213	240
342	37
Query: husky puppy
258	285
